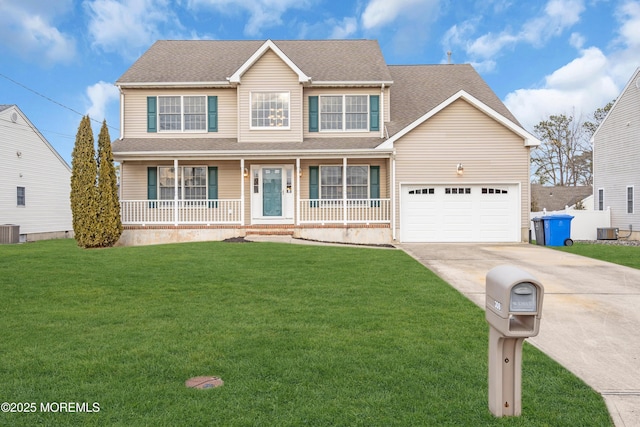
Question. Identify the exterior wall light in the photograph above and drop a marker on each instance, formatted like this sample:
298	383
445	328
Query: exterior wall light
459	169
246	173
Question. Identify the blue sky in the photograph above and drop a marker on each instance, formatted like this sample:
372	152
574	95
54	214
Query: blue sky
60	58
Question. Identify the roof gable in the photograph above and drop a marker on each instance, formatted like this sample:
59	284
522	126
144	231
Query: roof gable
529	140
633	81
268	45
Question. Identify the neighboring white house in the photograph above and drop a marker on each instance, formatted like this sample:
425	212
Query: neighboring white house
616	161
35	184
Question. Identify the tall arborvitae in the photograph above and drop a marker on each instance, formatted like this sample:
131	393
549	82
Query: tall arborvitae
109	223
84	206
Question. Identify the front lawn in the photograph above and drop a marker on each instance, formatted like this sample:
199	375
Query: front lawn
300	335
617	254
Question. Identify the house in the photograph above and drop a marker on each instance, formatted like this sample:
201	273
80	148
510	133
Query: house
616	156
318	139
34	190
558	197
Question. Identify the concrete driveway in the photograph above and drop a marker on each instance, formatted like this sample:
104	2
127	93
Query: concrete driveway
590	317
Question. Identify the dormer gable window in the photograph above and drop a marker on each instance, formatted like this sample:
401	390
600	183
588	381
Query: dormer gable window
270	110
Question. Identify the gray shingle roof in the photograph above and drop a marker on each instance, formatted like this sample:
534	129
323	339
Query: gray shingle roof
418	89
185	61
555	198
220	145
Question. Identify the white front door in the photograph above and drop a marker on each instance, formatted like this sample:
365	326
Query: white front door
272	194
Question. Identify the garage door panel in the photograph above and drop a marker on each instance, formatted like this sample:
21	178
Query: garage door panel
471	213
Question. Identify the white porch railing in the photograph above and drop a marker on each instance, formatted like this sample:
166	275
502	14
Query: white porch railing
181	211
368	211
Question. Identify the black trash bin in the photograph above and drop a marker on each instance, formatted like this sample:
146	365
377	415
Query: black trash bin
538	226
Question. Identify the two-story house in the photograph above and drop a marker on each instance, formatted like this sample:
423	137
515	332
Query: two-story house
319	139
616	155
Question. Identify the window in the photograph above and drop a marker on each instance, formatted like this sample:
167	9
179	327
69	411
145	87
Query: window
344	112
630	199
454	190
600	199
331	182
423	191
182	113
21	197
494	191
269	110
192	182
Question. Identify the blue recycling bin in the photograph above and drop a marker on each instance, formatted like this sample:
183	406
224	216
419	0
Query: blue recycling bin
557	230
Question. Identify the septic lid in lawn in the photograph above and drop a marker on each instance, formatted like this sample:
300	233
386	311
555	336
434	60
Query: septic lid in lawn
204	382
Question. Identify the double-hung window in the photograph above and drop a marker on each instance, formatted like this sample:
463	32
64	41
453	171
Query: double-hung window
630	199
270	110
192	182
182	113
21	196
331	182
344	113
600	199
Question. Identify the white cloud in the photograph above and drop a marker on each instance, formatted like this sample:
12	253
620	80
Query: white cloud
129	26
28	29
379	13
101	95
263	14
577	88
587	82
344	29
557	16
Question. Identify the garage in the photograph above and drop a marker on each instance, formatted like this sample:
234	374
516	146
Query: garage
460	213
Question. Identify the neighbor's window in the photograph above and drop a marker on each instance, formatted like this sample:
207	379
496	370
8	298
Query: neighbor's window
182	113
269	110
601	199
344	112
192	182
630	199
331	182
21	199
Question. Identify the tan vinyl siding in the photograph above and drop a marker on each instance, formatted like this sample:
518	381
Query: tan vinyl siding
135	113
617	156
342	91
489	152
270	74
134	177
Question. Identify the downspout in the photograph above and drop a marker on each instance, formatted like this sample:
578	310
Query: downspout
242	199
297	204
344	190
382	111
121	114
393	195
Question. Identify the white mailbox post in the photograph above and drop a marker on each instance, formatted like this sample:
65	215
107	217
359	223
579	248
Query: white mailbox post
513	311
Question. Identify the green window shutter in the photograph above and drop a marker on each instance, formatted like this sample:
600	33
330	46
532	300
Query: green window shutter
152	185
374	185
374	112
314	185
152	114
313	114
213	113
212	191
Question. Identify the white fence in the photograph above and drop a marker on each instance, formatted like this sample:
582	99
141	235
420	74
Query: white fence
181	212
584	225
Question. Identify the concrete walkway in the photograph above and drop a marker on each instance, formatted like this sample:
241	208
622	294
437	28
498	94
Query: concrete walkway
590	317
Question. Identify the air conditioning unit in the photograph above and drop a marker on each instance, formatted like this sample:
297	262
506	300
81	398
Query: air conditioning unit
607	234
9	233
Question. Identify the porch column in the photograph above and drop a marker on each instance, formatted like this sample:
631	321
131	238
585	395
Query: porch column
297	203
242	178
344	191
175	192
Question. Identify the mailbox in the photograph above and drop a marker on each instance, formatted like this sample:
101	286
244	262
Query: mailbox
513	311
513	301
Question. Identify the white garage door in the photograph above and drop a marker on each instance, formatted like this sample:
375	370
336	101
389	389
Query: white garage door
460	213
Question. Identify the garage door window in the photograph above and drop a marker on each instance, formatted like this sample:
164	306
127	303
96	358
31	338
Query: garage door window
486	190
423	191
457	190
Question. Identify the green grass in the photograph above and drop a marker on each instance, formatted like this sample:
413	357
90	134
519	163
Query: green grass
617	254
301	335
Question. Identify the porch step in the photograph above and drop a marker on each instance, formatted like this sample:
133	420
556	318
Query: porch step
268	231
